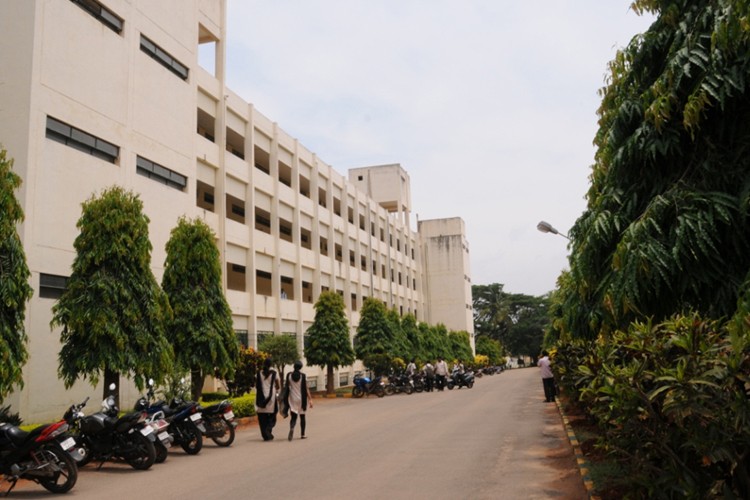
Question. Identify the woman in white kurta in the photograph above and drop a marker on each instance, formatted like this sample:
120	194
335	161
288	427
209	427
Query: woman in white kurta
298	398
266	386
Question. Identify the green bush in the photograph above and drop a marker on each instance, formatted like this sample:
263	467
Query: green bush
671	401
243	406
211	397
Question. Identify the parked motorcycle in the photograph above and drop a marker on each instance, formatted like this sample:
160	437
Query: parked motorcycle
105	436
365	385
417	381
398	384
184	419
459	380
219	423
38	456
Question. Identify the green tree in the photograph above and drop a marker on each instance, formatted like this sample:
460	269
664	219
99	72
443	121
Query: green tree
14	281
400	347
666	227
201	330
248	365
460	346
491	348
434	342
491	312
327	343
282	349
529	317
411	335
374	335
112	313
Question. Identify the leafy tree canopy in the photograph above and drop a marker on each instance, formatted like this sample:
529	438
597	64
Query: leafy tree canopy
666	228
490	348
327	343
374	334
112	313
14	281
201	330
282	349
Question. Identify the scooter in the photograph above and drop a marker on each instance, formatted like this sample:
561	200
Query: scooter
459	380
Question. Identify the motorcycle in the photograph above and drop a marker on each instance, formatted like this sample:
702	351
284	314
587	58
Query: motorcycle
38	456
417	381
164	440
398	384
105	436
365	385
459	380
219	423
185	422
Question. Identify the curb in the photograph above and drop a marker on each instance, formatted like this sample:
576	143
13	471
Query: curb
583	465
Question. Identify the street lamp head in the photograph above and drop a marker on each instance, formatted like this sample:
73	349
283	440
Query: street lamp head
546	227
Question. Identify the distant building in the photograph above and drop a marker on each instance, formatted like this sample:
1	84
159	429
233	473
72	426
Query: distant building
98	93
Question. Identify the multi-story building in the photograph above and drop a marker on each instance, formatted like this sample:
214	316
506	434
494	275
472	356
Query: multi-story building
95	93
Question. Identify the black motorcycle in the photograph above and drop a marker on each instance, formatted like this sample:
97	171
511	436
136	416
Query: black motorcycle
465	379
106	436
38	456
219	423
365	385
399	383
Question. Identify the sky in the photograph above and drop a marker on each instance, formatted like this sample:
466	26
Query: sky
489	105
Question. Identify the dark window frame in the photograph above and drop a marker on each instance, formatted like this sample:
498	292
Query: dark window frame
101	14
160	173
164	58
52	286
85	142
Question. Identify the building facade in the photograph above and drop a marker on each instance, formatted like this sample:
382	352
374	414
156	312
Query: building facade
96	93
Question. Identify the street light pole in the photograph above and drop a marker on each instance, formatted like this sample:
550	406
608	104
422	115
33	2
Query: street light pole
546	227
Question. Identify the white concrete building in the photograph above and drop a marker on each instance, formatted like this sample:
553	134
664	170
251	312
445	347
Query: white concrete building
95	93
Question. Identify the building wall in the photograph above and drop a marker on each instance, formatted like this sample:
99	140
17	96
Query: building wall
288	226
447	274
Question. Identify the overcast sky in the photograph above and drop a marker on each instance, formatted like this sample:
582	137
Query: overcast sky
490	106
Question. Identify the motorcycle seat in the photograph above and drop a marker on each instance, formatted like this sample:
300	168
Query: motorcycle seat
13	434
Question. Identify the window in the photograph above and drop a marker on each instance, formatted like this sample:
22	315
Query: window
287	288
242	338
101	13
51	286
285	230
305	238
235	277
82	141
204	196
263	283
235	209
165	59
262	220
307	292
159	173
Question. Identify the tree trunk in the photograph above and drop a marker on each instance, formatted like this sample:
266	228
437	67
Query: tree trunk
329	379
196	383
112	377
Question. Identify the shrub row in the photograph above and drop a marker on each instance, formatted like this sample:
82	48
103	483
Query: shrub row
671	401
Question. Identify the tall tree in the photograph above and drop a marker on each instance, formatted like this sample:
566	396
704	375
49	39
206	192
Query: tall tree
666	228
491	348
282	349
327	343
529	317
411	334
460	346
113	313
491	310
374	335
14	281
201	331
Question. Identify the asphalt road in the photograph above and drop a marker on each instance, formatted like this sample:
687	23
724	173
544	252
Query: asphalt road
497	440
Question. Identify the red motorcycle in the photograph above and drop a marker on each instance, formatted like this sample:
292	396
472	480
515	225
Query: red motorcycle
39	456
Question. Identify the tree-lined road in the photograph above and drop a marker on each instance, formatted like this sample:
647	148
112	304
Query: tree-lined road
498	440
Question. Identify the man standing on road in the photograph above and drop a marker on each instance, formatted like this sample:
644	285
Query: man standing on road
441	372
548	379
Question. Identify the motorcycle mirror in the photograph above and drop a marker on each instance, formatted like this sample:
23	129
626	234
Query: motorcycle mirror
182	380
112	386
150	382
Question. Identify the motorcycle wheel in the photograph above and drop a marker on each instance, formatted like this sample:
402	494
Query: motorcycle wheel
161	452
450	386
470	385
418	388
409	389
65	470
380	392
143	455
389	390
192	440
227	436
357	392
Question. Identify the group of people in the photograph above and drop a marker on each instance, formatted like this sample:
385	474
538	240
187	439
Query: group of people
293	399
435	376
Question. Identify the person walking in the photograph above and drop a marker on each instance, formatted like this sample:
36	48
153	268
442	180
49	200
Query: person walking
267	386
441	373
298	398
548	379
